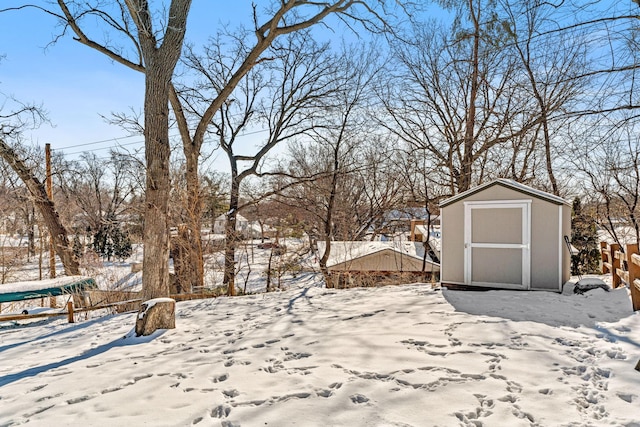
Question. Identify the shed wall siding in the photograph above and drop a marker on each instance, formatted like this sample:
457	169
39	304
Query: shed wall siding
453	243
544	245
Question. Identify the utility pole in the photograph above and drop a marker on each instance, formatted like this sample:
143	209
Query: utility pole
52	250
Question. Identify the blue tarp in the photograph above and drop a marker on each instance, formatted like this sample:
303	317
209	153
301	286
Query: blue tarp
45	288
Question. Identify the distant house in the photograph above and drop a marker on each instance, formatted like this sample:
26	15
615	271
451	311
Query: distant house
243	226
399	220
419	233
358	263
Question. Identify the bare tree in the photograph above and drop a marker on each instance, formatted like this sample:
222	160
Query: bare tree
150	41
156	40
279	94
453	96
609	164
325	161
45	205
100	188
285	18
551	65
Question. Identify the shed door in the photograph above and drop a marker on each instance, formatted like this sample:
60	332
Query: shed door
497	250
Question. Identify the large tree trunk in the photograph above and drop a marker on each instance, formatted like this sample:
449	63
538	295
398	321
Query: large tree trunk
194	273
46	207
328	220
231	237
160	58
155	279
466	171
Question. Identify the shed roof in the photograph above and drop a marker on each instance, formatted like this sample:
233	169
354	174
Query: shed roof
344	251
513	185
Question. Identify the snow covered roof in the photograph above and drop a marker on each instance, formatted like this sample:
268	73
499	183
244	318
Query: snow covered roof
223	217
344	251
406	213
513	185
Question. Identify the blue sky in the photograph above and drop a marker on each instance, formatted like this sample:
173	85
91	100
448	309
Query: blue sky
77	85
73	83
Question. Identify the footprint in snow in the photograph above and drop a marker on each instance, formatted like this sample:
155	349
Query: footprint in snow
112	389
296	356
627	397
220	378
221	411
324	393
37	411
142	377
79	399
508	398
358	398
231	393
302	395
616	354
514	387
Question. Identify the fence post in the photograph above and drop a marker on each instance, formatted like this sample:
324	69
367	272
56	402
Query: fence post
70	311
615	265
604	257
634	280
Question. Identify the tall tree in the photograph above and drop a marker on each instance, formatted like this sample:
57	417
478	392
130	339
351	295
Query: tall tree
224	70
325	160
157	37
551	64
283	97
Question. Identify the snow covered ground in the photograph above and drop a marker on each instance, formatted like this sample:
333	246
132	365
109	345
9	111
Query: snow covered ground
310	356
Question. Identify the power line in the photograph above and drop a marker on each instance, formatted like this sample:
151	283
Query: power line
98	142
127	144
100	149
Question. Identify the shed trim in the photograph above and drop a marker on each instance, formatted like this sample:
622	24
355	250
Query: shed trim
560	249
498	285
525	246
508	183
442	251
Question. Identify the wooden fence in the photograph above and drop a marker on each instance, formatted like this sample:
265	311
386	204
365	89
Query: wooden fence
118	306
623	263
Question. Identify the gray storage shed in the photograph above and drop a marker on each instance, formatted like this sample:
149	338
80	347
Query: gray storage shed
504	234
